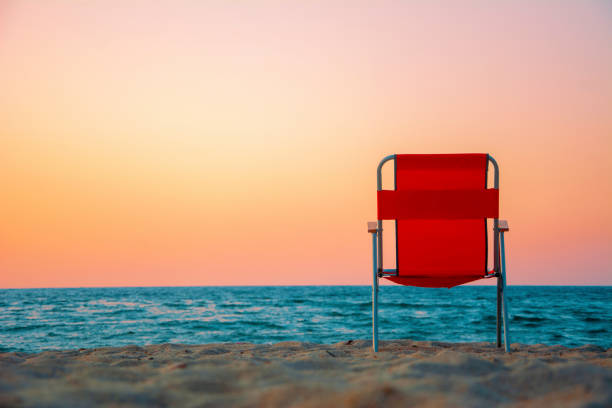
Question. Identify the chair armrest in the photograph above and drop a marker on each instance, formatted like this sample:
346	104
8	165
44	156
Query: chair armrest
503	226
372	226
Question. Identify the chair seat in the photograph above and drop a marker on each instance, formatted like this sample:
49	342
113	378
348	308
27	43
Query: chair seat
448	280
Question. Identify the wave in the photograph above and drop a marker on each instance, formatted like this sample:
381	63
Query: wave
521	318
592	319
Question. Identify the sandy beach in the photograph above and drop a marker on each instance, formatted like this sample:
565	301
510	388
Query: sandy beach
346	374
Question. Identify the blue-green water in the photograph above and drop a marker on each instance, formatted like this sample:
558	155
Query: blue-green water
32	320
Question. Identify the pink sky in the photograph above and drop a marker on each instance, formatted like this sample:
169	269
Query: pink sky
226	143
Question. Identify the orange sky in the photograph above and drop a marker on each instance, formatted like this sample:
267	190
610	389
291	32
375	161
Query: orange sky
227	142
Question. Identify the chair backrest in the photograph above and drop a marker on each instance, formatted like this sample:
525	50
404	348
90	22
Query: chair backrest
441	204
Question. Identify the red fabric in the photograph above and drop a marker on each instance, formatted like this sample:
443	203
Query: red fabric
440	171
440	252
437	204
429	282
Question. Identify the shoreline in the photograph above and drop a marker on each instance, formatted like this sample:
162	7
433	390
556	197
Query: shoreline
346	374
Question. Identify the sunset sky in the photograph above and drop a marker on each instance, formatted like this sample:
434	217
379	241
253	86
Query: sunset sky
154	143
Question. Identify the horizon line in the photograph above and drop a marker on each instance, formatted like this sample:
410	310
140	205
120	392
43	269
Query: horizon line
256	286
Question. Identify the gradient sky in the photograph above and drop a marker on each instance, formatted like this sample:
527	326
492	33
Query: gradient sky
236	142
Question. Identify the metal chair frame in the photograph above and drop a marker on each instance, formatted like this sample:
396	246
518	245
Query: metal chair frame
499	263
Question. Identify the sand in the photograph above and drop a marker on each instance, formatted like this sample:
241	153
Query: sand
348	374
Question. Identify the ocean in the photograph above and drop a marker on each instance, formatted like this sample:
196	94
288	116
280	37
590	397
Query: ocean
33	320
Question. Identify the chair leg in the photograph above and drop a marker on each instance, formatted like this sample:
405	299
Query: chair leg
499	307
374	296
504	295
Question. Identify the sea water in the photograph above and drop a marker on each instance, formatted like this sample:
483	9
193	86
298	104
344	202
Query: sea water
33	320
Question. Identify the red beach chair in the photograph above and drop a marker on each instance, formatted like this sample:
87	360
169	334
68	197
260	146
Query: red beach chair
440	204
